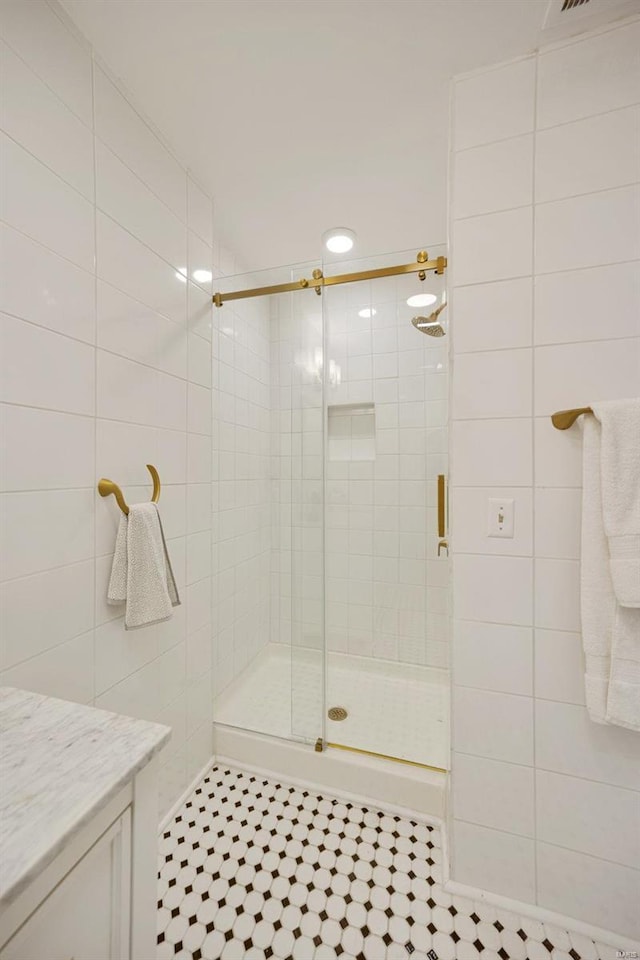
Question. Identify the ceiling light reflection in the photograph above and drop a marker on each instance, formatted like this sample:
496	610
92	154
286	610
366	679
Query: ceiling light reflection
421	300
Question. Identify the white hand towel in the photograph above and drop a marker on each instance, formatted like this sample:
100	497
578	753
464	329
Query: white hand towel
598	602
141	574
620	471
623	702
610	632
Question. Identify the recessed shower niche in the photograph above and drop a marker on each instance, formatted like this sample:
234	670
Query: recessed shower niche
351	431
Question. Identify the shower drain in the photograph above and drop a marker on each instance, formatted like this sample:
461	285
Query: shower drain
337	713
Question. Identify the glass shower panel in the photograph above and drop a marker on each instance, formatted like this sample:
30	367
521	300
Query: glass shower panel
267	480
307	515
386	442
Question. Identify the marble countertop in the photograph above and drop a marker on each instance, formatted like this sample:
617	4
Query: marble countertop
60	763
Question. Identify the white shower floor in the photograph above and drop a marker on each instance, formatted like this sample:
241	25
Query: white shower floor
393	709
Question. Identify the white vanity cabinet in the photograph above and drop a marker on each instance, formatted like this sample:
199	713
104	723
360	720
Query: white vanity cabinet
78	842
86	916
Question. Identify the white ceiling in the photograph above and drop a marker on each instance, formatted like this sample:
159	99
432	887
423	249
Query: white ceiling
299	115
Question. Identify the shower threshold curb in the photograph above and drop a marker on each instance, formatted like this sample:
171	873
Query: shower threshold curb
357	776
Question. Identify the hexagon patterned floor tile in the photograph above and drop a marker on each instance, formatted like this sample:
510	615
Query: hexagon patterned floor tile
252	869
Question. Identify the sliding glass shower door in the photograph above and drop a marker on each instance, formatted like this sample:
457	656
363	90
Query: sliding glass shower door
386	442
307	516
268	496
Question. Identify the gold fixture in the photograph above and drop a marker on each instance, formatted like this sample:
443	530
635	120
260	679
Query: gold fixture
442	513
337	713
421	266
430	325
319	746
564	419
108	487
385	756
441	505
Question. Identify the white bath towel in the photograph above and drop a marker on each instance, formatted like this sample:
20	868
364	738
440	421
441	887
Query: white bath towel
141	575
620	472
610	632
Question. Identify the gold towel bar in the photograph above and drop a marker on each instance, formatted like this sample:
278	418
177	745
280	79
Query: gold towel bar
564	419
108	487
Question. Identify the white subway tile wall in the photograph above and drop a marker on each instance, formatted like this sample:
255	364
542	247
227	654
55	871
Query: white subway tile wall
546	804
105	366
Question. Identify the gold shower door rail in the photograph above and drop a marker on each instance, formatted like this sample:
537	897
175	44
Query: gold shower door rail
421	266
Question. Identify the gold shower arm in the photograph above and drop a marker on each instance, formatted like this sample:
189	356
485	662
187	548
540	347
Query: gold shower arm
564	419
108	487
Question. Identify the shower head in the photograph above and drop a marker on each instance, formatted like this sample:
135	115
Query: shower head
430	324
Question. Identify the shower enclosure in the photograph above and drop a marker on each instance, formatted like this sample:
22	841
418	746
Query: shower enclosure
351	650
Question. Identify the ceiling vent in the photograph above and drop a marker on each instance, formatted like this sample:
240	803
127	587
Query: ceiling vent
567	17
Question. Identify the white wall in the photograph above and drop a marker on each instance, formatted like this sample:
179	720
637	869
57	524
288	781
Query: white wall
546	229
105	365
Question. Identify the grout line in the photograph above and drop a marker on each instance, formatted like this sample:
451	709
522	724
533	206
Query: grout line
589	33
533	476
493	213
69	25
547	273
542	203
94	505
590	116
58	176
549	344
173	267
56	646
183	222
45	82
39	243
559	773
532	838
81	488
39	573
534	129
587	193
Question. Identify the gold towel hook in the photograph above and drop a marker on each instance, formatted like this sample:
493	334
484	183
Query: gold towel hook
108	487
564	419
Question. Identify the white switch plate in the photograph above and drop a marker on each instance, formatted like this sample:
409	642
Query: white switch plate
500	521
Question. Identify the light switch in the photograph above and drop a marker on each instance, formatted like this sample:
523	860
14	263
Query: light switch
501	518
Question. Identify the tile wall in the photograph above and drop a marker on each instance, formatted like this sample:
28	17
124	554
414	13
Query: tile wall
386	587
546	240
105	365
297	608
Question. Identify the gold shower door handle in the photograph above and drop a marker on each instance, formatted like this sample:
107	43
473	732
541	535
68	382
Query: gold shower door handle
442	506
442	514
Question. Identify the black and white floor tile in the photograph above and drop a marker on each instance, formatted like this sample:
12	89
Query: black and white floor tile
252	869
